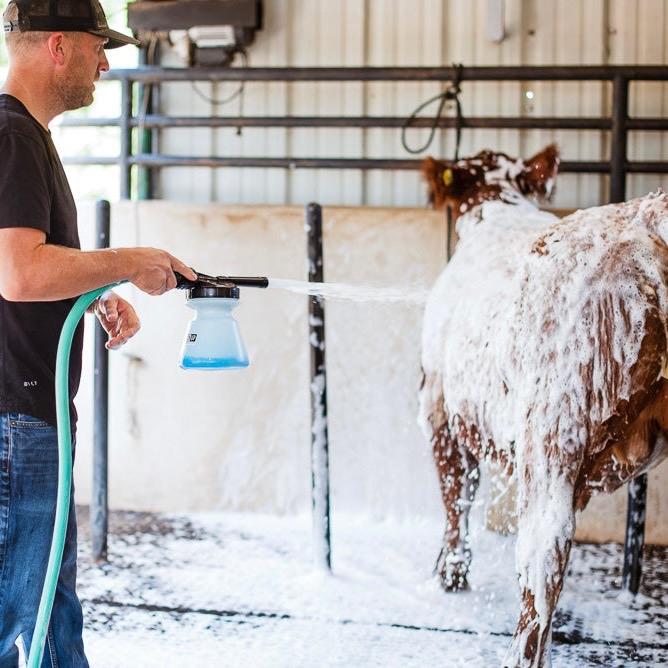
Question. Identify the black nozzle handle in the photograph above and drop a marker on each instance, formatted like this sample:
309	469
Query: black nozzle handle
246	281
204	280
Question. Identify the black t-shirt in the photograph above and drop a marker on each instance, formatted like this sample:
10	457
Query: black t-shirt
34	192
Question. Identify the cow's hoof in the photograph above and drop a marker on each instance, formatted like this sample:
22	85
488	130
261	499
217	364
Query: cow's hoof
452	582
452	569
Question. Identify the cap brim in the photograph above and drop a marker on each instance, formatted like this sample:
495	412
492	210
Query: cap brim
115	38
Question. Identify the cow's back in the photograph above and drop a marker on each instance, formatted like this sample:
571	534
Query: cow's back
537	325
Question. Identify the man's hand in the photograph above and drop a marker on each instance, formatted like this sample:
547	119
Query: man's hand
152	269
118	318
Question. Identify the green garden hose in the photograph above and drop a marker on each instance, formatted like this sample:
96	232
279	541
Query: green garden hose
64	473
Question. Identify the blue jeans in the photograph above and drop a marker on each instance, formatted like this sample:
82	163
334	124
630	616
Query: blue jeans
28	485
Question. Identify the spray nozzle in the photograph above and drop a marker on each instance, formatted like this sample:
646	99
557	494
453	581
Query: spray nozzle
213	340
206	281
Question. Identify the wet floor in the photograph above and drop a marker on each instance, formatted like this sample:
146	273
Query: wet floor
240	590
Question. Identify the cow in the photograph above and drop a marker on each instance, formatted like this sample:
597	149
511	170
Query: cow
544	350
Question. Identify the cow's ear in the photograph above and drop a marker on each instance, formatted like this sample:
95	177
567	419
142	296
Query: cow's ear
435	173
540	171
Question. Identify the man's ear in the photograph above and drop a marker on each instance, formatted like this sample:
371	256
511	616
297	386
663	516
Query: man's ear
57	45
540	171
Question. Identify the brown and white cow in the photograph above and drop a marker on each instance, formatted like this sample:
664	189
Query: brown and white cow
544	349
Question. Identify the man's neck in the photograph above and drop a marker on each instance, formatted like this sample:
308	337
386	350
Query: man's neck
34	98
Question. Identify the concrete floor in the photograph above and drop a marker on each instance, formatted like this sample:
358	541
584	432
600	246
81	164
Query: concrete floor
239	590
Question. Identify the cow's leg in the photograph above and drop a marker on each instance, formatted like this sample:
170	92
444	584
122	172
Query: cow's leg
458	477
546	524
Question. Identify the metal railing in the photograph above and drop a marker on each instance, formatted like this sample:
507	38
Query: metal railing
617	123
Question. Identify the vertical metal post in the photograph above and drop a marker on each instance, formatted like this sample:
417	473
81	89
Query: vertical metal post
620	106
155	140
126	139
319	438
145	106
99	508
635	533
635	514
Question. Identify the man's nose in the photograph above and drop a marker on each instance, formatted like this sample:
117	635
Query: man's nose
104	63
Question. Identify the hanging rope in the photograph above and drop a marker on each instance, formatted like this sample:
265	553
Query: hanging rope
450	93
454	91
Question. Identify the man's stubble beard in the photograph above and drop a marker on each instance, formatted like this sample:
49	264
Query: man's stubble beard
74	95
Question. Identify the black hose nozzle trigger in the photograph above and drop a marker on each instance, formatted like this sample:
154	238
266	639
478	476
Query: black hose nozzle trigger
183	283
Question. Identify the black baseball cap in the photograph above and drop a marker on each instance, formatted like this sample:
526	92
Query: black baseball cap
65	16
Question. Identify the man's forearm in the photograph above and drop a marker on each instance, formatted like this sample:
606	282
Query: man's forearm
56	272
32	270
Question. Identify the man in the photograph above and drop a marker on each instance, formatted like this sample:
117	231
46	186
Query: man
56	50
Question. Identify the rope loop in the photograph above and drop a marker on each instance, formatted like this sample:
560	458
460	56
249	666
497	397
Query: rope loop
451	93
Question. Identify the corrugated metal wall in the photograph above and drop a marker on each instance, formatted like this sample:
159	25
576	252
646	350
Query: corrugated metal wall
419	32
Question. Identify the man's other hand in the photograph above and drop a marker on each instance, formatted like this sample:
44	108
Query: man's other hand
118	318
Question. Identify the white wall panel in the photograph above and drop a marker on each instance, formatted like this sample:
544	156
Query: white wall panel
382	97
260	185
591	145
646	98
421	33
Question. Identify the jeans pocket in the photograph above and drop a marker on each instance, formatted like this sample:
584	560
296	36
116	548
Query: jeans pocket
24	421
33	447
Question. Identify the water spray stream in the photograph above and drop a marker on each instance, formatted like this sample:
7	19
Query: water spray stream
355	293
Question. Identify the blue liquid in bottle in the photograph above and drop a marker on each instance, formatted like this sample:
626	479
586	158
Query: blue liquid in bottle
213	340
